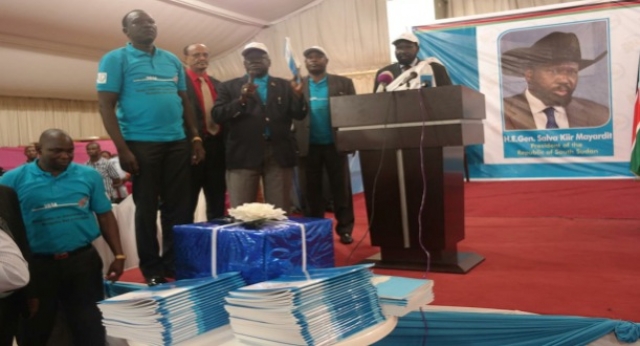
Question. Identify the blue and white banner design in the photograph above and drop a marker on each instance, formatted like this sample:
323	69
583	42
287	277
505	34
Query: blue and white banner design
512	59
291	60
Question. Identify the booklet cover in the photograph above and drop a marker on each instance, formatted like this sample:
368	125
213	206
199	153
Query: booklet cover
320	307
170	313
400	295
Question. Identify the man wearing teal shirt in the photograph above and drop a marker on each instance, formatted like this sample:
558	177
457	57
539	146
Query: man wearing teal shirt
317	148
155	135
65	208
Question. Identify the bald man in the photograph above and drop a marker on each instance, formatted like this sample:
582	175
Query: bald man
208	175
65	208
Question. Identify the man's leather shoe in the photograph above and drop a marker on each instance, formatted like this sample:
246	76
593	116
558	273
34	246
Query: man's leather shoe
156	280
346	238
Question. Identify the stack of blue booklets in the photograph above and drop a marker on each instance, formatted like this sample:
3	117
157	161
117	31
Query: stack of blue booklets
323	308
170	313
399	296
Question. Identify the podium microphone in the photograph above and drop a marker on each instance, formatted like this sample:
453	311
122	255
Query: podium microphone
426	77
426	81
409	78
385	78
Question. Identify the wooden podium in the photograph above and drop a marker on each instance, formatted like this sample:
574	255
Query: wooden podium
411	145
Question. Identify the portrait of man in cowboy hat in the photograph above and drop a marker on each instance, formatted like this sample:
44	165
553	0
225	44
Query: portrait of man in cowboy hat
551	68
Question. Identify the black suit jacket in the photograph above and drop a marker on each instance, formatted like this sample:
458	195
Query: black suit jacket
439	73
580	112
246	124
197	107
11	220
338	86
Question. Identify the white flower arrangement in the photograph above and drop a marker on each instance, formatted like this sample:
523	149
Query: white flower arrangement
257	212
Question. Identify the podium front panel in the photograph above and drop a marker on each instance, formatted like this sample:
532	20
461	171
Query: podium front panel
445	103
410	137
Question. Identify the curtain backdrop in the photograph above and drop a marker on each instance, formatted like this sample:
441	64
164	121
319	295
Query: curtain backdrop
353	32
460	8
23	119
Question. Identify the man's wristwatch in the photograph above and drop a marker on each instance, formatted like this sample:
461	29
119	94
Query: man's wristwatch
121	257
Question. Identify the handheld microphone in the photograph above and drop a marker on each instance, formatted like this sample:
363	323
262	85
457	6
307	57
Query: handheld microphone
409	78
252	75
385	78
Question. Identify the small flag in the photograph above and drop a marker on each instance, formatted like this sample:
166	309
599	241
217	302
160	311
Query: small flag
635	146
291	60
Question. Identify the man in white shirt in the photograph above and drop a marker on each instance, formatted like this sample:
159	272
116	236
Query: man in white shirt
14	270
14	274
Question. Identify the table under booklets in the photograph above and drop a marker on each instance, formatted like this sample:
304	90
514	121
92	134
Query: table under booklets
294	295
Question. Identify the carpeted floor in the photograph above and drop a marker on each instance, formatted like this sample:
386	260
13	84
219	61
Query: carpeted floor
551	247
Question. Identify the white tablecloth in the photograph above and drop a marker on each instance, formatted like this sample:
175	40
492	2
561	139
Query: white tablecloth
125	216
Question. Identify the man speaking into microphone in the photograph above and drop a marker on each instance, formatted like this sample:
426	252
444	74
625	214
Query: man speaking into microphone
411	70
257	110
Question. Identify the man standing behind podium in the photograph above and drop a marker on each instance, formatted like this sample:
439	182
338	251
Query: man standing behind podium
207	175
316	145
407	47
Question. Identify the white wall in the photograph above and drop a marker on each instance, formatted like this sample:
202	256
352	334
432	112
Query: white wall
404	14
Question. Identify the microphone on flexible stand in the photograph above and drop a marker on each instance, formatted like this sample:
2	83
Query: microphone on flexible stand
409	78
385	78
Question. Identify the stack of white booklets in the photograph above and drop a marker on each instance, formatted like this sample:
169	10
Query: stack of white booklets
330	306
170	313
399	296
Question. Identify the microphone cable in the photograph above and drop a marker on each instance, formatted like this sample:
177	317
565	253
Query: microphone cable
390	107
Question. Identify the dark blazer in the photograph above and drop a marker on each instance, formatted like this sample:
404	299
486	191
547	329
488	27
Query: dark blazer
439	73
197	107
580	112
13	305
338	86
245	124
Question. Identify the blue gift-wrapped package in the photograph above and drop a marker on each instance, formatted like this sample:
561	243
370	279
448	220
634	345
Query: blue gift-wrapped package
260	254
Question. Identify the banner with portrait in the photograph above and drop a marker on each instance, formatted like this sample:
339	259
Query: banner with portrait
559	85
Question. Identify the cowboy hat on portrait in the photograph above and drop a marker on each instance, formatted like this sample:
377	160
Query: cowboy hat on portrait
555	47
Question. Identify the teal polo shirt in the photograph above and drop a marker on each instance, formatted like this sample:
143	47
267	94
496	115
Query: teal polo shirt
149	108
58	212
320	118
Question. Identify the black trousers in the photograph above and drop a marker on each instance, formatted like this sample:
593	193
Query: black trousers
210	177
319	158
163	183
11	308
76	285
